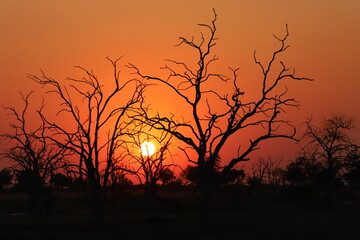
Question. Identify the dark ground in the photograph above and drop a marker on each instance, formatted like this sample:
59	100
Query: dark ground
237	213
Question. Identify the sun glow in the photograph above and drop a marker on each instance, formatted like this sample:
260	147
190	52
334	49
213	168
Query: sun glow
147	148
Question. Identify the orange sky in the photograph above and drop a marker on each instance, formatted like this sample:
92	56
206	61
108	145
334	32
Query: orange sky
56	35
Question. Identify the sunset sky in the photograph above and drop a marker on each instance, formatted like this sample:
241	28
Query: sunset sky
56	35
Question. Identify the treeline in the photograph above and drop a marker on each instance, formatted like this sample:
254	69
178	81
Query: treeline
303	171
87	131
309	175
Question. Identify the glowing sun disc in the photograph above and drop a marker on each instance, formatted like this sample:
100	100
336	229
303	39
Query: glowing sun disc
147	148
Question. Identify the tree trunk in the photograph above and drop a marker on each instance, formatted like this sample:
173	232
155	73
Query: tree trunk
206	188
98	202
330	179
150	189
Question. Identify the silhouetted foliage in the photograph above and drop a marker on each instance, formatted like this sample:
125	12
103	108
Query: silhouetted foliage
29	179
60	180
235	176
328	147
40	195
351	173
6	177
190	174
166	176
80	184
175	183
254	181
303	171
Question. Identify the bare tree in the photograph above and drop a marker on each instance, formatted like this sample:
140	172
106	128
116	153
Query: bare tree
266	171
258	172
96	122
149	166
217	117
330	146
118	182
273	171
35	158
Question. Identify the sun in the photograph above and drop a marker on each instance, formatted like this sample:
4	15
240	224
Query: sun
147	148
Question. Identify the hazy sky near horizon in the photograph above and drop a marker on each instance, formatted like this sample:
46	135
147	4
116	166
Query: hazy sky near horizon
56	35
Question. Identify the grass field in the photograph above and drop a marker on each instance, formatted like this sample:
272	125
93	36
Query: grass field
235	214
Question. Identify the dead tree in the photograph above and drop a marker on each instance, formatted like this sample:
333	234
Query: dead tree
266	171
96	122
35	158
147	166
217	117
272	170
258	172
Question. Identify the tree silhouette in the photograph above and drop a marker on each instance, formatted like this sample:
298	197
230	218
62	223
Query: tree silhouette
304	171
267	171
352	168
6	177
217	117
96	122
60	180
35	157
149	169
190	175
351	173
330	145
167	176
258	172
235	176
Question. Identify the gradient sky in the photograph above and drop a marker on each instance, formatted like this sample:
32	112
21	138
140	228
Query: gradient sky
56	35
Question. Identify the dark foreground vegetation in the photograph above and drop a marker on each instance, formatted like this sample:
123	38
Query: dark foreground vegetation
237	212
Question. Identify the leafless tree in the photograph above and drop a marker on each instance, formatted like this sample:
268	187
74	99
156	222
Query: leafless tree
119	181
96	122
330	146
267	171
217	117
35	158
258	172
149	167
273	171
